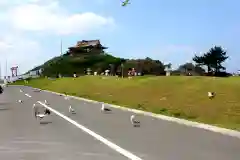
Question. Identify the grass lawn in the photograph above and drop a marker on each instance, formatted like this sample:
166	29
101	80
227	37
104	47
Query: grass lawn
178	96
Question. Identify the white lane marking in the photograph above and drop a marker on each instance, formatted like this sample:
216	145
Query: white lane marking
95	135
27	95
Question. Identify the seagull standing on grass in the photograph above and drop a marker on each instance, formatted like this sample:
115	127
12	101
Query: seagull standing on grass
211	95
71	110
134	122
104	109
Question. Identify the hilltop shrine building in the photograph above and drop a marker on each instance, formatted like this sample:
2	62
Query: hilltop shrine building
91	47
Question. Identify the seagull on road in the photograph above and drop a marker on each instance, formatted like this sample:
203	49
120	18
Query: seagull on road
20	101
47	112
37	90
134	122
21	91
39	115
104	109
35	110
71	110
67	98
46	102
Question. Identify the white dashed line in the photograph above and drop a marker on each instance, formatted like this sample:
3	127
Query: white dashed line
95	135
27	95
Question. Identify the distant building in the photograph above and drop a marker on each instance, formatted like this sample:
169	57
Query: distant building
35	73
91	47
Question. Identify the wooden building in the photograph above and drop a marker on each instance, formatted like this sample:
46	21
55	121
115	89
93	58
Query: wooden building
91	47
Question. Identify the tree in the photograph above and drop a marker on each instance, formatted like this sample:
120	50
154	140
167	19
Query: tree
213	59
190	68
186	67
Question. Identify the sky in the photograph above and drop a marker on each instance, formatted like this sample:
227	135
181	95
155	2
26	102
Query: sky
171	31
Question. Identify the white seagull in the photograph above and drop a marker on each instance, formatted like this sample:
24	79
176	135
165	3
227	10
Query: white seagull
35	110
20	101
41	116
211	95
134	122
37	90
71	110
21	91
104	109
67	98
46	102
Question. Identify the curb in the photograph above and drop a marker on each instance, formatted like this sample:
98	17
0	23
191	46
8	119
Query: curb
212	128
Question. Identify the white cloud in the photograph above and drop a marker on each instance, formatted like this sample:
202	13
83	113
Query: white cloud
23	17
51	18
20	52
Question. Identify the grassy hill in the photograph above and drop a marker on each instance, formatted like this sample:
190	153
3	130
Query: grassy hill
178	96
67	65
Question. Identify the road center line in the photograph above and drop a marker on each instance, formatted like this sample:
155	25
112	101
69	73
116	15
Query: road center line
95	135
27	95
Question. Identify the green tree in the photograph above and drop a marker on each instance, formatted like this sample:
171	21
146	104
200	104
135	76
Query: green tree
213	59
189	67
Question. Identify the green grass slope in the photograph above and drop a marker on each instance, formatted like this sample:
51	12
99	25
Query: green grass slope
178	96
67	65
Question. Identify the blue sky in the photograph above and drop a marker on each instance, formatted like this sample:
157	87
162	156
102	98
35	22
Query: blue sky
168	30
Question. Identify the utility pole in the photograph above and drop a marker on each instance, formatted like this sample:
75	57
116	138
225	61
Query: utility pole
6	69
122	69
61	47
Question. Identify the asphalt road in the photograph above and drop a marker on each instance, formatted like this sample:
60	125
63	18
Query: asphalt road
23	137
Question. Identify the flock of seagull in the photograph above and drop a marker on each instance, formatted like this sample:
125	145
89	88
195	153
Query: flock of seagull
47	112
104	109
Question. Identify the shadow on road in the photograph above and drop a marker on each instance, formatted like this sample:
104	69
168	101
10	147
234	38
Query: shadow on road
45	122
4	103
4	108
